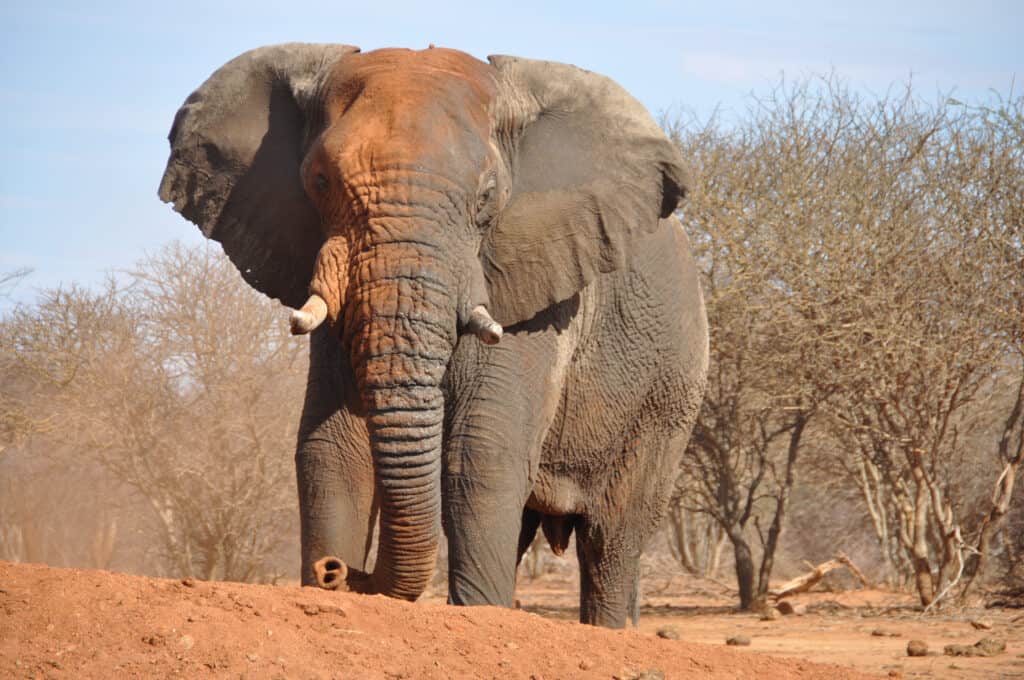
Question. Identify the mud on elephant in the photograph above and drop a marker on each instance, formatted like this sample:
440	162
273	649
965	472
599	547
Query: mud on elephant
507	328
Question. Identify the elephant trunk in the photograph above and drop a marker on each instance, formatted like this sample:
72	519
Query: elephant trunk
402	325
399	323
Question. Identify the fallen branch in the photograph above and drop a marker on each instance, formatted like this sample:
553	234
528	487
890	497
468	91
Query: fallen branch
802	584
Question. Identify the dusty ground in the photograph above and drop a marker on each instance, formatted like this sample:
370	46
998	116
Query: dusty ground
90	624
865	629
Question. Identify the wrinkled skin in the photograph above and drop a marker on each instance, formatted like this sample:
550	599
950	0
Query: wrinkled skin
408	190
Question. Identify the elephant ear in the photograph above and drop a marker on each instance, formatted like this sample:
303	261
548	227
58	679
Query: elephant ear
591	173
237	144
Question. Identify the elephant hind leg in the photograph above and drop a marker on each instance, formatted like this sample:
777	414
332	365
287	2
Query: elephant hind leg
609	560
531	520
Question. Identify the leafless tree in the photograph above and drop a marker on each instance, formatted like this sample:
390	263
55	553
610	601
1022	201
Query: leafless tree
862	265
183	388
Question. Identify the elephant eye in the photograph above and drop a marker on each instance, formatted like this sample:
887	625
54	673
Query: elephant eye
485	202
321	182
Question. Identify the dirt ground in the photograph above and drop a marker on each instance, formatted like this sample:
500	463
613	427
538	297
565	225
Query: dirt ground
864	629
93	624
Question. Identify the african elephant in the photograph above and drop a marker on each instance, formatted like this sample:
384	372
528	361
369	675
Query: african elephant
405	201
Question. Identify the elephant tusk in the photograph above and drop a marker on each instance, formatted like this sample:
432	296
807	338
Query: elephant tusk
483	326
312	314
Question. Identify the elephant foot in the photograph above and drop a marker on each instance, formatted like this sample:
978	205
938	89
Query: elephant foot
333	574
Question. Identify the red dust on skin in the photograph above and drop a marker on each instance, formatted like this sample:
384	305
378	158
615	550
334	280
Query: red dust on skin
394	116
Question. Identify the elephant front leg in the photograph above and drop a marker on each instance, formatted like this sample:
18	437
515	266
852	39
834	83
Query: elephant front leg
334	471
337	511
504	399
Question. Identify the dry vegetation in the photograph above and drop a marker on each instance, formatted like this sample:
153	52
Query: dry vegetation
149	427
863	267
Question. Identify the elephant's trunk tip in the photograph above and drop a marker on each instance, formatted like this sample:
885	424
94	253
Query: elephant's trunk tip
330	572
483	326
312	314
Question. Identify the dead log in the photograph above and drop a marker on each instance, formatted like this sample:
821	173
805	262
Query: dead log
801	584
857	573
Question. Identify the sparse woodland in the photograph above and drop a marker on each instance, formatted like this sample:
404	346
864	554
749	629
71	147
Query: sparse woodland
863	269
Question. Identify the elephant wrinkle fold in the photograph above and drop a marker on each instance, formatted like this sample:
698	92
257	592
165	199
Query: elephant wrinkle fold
515	335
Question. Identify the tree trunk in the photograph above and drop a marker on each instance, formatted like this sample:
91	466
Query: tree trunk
781	504
744	560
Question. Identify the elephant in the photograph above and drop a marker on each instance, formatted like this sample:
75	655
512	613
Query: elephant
506	326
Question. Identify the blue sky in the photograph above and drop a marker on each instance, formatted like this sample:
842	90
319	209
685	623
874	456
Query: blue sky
90	89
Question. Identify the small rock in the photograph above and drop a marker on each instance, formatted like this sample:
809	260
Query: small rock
186	642
153	640
981	624
785	608
668	632
991	646
878	632
917	648
253	658
586	664
511	645
738	641
310	610
652	674
770	615
983	647
188	582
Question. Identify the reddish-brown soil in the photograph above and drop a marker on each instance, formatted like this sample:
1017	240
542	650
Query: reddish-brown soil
93	624
864	629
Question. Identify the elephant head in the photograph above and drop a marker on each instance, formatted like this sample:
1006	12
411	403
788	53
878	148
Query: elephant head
405	198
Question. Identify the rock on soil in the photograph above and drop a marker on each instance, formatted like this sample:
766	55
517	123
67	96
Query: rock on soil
71	623
917	648
983	647
668	633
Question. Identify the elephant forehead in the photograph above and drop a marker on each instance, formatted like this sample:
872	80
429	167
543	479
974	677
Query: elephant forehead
401	108
390	79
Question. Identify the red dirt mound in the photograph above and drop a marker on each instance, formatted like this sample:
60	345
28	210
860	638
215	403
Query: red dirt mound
94	624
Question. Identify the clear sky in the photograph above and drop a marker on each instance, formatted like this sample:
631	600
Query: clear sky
90	88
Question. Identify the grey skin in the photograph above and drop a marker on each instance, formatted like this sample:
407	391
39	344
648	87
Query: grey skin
514	333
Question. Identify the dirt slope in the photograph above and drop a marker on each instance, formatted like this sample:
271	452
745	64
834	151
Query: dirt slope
93	624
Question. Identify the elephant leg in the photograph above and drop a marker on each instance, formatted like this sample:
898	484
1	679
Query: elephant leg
334	470
506	398
484	522
609	561
609	544
531	522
